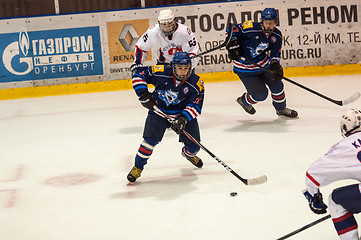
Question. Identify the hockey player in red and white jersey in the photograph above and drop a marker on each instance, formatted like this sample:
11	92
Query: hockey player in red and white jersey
170	37
341	162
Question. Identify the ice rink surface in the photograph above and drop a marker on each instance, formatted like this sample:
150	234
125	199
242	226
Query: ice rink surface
64	161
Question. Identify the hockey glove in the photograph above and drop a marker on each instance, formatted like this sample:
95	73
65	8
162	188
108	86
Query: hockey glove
134	67
147	100
315	202
277	71
179	124
234	50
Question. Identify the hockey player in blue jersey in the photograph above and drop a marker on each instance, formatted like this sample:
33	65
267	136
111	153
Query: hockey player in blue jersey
178	93
260	43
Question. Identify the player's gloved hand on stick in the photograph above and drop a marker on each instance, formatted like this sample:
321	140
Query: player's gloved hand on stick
277	71
179	124
147	100
315	202
234	49
134	67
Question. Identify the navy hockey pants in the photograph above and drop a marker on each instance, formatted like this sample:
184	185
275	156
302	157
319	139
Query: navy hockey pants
349	197
256	85
154	129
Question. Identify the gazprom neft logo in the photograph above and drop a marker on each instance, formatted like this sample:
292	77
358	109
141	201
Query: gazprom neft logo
51	54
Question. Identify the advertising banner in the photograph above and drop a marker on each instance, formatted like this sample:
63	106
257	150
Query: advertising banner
314	32
50	54
42	51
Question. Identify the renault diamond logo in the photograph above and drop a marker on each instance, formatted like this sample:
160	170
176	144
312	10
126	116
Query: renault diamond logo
128	28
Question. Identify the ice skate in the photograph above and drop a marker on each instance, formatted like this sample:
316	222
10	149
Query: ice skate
249	109
134	174
196	161
286	112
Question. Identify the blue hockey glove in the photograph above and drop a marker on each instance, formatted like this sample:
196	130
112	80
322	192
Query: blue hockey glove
234	50
179	124
147	100
134	67
277	71
315	202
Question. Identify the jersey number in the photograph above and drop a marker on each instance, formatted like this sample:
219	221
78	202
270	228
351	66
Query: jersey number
145	37
192	42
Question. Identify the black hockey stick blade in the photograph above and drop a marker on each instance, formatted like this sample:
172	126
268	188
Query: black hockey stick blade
225	43
304	227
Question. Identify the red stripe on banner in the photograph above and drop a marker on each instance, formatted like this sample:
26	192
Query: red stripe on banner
145	150
312	179
349	229
342	218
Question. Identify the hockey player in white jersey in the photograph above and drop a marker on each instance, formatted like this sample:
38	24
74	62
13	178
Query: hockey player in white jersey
341	162
169	37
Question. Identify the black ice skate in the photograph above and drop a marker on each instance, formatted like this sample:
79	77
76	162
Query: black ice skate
286	112
249	109
196	161
134	174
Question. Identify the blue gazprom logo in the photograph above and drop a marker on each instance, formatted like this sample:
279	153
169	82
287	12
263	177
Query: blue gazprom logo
51	54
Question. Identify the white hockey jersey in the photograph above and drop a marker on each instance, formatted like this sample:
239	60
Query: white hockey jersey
182	40
341	162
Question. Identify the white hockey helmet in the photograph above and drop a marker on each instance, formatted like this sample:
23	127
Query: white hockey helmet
350	122
165	16
166	22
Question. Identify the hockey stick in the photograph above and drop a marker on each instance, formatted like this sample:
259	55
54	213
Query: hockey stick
252	181
305	227
351	99
225	43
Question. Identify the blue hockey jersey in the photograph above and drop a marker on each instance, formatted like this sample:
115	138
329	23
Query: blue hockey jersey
173	97
256	46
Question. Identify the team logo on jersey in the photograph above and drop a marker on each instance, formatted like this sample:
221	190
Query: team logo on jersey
185	90
169	97
273	39
200	84
259	49
248	24
157	68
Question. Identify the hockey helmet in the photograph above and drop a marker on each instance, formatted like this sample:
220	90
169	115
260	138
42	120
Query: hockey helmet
165	16
269	14
181	58
350	122
166	22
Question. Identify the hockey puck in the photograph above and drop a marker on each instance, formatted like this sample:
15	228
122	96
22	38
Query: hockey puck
233	194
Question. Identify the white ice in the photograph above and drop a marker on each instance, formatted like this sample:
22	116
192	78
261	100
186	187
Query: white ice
64	161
